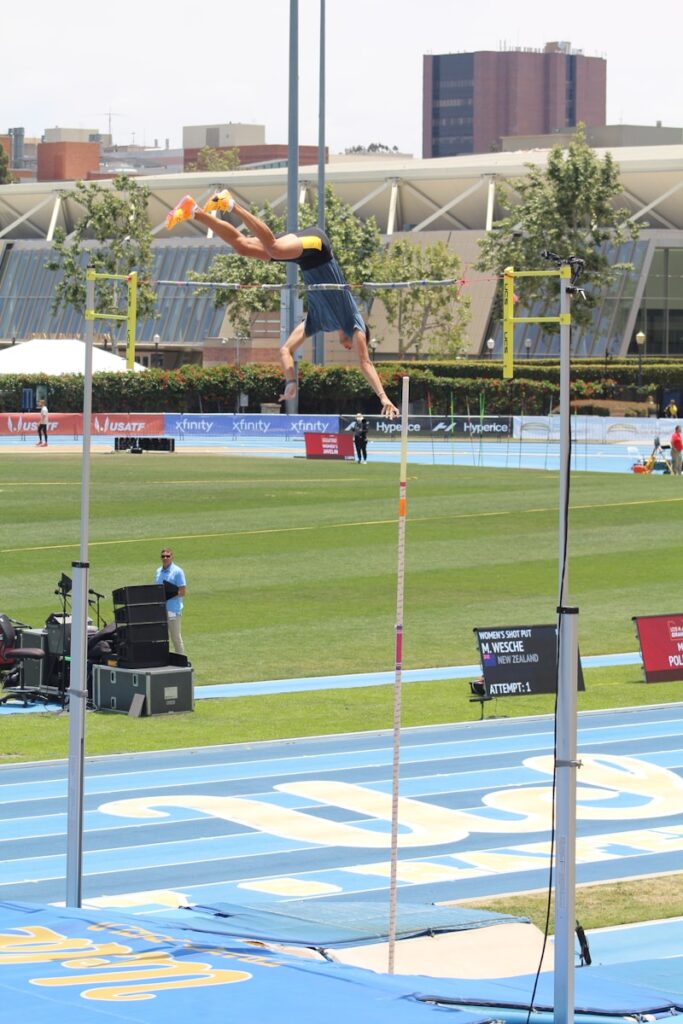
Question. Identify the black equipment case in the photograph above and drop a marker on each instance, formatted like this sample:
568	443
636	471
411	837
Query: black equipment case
164	689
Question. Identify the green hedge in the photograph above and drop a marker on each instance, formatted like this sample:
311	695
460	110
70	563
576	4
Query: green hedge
460	387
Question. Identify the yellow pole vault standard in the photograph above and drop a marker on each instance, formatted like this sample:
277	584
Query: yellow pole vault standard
563	846
132	281
509	318
393	872
508	325
130	316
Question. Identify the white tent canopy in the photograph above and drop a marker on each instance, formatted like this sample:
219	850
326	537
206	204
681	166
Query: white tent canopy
55	356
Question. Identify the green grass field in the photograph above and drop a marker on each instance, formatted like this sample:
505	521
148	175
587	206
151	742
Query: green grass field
291	565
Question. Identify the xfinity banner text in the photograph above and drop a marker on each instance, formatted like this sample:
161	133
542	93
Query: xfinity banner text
248	425
520	660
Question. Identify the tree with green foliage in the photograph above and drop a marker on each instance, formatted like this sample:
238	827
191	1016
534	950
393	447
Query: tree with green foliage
113	237
209	159
374	147
355	243
567	207
426	318
5	176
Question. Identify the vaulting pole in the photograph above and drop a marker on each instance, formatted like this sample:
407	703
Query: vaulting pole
398	669
289	300
319	338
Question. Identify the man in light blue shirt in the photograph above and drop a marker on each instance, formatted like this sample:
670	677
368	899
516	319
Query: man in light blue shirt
169	572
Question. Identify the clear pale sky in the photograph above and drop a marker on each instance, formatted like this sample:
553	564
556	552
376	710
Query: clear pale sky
151	68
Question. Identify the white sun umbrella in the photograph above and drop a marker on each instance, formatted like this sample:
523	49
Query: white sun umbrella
56	356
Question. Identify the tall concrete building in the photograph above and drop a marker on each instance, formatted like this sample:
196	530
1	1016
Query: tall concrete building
470	100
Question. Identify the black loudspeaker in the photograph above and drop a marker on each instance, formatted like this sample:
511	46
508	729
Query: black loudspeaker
141	626
143	632
131	614
142	654
146	593
144	444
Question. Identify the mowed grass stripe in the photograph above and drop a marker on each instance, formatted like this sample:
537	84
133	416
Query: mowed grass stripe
345	525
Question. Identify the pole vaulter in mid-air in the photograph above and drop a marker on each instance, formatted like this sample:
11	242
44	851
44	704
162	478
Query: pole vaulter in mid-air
332	309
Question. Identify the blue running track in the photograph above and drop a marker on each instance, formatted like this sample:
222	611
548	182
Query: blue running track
311	818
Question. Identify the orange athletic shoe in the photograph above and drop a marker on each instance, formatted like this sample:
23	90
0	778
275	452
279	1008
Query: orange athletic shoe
221	201
183	211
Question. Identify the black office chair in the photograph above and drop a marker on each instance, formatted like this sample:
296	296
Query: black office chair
11	661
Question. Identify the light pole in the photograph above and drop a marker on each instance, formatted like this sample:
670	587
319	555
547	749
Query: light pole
372	345
490	344
640	342
527	347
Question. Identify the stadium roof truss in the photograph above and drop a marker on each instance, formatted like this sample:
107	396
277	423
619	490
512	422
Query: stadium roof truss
425	199
446	194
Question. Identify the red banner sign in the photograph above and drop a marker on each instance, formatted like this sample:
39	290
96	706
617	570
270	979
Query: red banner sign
329	446
23	423
137	424
661	646
70	424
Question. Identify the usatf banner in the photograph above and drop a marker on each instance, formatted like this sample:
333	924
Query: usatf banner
661	646
23	424
70	424
135	424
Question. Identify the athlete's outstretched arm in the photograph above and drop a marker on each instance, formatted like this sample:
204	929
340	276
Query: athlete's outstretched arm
294	341
367	368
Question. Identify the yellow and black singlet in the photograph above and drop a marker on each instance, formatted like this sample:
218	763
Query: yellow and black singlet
327	310
317	249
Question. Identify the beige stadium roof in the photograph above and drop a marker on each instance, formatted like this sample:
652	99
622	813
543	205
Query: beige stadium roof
447	194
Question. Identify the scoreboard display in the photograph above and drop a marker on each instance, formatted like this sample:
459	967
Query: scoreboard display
519	661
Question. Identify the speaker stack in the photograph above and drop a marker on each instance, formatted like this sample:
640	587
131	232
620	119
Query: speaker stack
144	444
141	626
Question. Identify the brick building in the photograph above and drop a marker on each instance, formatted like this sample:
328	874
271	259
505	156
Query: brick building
471	100
67	161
